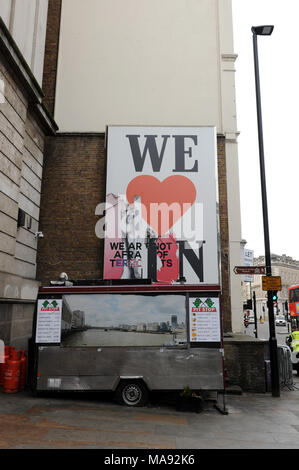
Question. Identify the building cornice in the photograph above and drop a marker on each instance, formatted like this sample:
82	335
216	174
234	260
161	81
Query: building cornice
229	57
276	260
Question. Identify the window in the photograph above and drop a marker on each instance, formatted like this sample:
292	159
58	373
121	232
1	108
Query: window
123	320
294	295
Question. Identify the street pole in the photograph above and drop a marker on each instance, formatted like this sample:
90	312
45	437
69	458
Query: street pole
254	310
286	309
266	30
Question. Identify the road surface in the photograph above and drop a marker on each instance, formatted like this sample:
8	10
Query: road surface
263	331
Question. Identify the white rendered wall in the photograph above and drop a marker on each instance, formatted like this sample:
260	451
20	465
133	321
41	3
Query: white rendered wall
137	62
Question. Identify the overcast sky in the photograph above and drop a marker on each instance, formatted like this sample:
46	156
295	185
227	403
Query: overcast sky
128	309
279	75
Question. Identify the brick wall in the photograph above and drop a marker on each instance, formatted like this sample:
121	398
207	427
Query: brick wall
51	53
244	361
224	235
73	185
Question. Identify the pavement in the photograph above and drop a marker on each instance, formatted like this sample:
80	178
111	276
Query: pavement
76	421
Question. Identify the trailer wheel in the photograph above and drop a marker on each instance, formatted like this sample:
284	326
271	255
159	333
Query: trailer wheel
131	393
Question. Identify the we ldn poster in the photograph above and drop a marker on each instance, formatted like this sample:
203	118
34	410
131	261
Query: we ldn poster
161	205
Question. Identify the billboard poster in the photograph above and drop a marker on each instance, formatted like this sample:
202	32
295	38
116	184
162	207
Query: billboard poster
161	205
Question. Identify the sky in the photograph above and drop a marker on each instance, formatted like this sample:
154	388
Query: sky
279	76
128	309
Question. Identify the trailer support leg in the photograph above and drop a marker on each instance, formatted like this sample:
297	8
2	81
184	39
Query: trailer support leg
223	410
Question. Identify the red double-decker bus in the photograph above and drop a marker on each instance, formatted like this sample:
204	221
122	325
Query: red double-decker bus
294	300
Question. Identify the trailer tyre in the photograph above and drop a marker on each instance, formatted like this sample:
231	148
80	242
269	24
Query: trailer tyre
131	393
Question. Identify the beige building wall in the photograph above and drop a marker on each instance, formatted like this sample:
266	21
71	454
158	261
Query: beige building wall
146	62
153	62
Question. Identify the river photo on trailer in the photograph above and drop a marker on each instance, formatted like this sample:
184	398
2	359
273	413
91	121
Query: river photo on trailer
123	320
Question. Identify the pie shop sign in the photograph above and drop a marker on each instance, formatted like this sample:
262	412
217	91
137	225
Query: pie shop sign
204	319
48	324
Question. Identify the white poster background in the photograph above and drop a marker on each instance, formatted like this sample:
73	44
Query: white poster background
121	170
204	321
48	323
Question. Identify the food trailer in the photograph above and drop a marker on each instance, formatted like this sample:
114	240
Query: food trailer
128	339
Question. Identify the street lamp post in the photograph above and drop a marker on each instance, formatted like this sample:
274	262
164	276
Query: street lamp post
266	31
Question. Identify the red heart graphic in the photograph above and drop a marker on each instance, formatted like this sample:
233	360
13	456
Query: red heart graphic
177	192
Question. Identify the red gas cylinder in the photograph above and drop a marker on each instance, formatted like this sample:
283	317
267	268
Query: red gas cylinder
12	373
23	372
7	352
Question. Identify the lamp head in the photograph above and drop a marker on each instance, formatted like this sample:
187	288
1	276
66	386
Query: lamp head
63	277
265	30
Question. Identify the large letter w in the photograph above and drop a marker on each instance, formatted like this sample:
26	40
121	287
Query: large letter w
151	147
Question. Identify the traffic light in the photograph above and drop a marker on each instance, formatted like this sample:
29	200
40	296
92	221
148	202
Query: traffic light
274	296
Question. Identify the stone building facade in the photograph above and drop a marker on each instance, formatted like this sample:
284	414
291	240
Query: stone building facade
24	125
